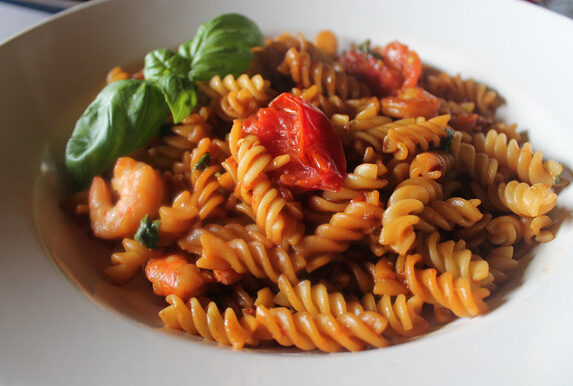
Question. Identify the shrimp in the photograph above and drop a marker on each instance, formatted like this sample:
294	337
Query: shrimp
173	275
141	191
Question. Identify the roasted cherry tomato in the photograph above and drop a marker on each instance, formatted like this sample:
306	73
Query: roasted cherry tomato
411	103
385	69
380	78
290	125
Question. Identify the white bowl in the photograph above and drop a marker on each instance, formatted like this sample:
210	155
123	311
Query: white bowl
63	324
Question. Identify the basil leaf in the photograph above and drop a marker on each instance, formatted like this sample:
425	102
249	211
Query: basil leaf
221	46
122	118
148	232
164	62
180	95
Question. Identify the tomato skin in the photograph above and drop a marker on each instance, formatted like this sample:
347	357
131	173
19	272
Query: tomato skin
380	78
411	103
386	69
290	125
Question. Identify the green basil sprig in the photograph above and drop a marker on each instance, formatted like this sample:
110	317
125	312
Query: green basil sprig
127	113
122	118
164	62
180	95
169	71
221	46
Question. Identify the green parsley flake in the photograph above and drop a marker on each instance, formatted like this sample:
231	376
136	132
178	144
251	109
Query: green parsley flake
148	232
446	142
365	47
203	162
558	179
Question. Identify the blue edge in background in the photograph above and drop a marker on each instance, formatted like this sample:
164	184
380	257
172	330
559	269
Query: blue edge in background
36	6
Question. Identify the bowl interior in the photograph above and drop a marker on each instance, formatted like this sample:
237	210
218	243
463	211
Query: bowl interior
60	72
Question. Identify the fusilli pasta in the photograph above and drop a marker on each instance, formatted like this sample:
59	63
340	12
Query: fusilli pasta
288	209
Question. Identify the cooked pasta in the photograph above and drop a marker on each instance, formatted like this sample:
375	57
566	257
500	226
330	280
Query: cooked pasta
456	89
286	207
237	98
520	160
329	79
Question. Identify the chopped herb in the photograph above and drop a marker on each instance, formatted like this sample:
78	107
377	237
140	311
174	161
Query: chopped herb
203	162
148	232
446	142
558	179
365	47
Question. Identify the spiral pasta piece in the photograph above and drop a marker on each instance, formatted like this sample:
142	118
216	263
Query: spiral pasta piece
474	235
365	130
206	188
408	199
227	329
330	79
357	219
126	264
237	98
176	219
478	165
403	139
243	257
398	225
504	230
366	177
510	229
169	153
330	105
529	166
454	211
326	332
526	200
421	188
465	90
509	129
500	261
386	280
451	107
451	256
270	208
191	242
434	165
534	229
364	108
457	295
315	299
404	316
